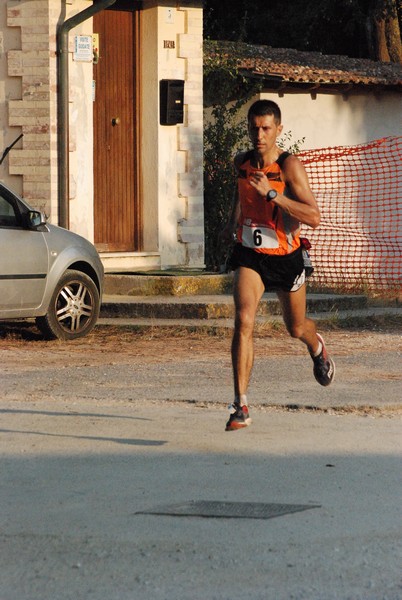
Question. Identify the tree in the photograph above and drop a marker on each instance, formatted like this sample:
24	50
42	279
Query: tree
225	92
387	31
357	28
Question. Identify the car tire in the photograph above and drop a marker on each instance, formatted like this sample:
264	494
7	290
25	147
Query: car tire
73	309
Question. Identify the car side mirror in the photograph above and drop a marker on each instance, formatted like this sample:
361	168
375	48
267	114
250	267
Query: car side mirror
35	219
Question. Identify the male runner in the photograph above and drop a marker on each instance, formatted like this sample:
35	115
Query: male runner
271	200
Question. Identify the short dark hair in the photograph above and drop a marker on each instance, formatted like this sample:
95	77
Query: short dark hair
260	108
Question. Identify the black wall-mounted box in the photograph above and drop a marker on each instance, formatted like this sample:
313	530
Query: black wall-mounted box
171	97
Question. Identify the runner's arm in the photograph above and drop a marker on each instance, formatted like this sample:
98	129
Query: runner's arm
302	205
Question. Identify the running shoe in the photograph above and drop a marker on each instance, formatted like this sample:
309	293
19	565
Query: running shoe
324	366
239	419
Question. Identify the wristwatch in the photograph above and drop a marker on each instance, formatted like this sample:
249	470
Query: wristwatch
271	195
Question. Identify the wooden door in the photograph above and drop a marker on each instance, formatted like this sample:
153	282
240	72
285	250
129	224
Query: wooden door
116	204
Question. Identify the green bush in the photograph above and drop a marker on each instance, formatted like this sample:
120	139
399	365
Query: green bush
225	92
223	139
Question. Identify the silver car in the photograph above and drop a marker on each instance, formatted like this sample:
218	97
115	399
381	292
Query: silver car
46	272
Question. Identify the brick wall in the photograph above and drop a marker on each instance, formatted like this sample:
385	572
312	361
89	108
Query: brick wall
35	112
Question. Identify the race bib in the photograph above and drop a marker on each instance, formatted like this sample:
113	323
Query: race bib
259	237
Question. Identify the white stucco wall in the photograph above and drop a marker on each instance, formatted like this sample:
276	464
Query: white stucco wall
328	120
81	134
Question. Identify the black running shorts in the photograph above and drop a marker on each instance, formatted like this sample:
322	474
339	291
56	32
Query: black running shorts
284	273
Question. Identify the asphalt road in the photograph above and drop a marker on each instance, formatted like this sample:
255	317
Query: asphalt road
100	437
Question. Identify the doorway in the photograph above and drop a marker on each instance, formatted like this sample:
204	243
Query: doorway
117	208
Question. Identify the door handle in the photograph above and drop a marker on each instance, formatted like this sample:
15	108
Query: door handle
115	121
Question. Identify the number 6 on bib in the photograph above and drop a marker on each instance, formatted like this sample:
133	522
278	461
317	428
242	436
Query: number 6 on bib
259	237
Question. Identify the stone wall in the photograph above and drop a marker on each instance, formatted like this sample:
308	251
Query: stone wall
35	112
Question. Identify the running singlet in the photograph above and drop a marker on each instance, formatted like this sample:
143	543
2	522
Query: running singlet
263	226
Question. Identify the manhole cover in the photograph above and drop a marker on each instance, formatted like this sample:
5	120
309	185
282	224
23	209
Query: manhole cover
230	510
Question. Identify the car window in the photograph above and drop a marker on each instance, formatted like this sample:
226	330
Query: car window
8	215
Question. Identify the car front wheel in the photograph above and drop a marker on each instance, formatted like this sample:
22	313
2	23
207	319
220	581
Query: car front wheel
73	309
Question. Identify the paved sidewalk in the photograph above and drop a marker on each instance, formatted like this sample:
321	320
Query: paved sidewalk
98	435
77	478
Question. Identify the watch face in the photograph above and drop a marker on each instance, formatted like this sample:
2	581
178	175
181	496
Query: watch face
272	194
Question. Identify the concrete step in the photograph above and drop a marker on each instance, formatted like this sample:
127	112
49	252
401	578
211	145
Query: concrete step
355	318
167	283
219	306
195	301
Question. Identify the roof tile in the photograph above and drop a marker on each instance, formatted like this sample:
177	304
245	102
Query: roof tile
294	66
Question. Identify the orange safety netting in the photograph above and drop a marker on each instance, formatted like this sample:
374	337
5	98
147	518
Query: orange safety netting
358	245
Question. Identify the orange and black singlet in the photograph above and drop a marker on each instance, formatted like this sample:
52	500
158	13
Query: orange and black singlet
263	226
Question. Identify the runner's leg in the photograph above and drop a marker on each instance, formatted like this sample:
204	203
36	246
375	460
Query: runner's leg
247	292
302	328
294	316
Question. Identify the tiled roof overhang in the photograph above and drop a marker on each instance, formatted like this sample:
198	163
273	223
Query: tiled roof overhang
287	68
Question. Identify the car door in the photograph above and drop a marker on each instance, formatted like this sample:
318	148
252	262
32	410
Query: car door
23	261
